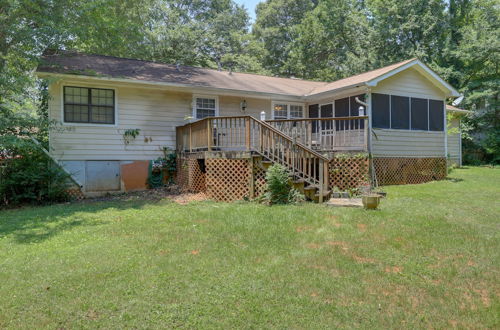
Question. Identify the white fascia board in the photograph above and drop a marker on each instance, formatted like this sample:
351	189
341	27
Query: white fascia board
173	86
336	92
431	74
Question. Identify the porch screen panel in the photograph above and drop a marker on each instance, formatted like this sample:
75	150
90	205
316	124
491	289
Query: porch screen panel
314	113
436	115
400	112
326	112
419	114
354	110
381	111
342	110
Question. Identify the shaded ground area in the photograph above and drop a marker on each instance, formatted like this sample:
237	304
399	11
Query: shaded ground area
171	192
429	258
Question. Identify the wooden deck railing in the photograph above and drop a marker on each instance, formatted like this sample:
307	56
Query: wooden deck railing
245	133
327	134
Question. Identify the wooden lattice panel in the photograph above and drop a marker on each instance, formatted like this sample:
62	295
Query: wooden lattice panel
348	172
227	179
399	170
182	173
75	192
190	178
259	179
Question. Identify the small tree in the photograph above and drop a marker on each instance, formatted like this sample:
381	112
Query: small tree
279	189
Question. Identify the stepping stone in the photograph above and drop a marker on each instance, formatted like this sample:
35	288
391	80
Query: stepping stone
345	202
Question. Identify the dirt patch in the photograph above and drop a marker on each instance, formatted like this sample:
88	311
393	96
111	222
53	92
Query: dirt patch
313	246
363	260
342	244
393	269
195	252
92	315
157	194
302	228
162	252
485	297
184	199
334	220
361	226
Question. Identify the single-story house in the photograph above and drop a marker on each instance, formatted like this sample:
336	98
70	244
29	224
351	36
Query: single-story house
117	114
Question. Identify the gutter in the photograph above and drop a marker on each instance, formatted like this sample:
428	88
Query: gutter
191	88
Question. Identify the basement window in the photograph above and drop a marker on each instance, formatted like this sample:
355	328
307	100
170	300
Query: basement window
89	105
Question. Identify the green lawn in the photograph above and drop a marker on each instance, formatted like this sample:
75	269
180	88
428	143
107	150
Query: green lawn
428	259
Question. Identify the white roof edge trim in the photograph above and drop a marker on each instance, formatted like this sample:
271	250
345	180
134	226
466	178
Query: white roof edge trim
453	91
158	84
316	96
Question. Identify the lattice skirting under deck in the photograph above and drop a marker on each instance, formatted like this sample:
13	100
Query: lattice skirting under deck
399	170
228	179
190	178
348	172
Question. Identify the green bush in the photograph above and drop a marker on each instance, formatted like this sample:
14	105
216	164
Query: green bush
278	189
29	176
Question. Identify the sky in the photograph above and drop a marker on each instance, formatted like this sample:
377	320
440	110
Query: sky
250	6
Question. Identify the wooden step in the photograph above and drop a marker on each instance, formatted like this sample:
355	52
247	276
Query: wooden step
299	185
326	196
267	163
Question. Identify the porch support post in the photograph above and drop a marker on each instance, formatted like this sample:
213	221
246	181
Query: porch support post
365	138
251	187
190	139
209	135
309	133
247	133
321	180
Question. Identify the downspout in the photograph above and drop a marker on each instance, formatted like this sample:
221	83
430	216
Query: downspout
445	132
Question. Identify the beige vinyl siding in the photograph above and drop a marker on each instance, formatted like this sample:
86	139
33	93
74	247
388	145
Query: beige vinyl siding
409	83
405	143
454	141
408	143
155	112
230	106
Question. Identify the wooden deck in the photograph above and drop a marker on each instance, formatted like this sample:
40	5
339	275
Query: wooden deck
300	145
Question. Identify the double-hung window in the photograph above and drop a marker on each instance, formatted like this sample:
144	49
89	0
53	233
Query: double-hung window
89	105
282	110
205	106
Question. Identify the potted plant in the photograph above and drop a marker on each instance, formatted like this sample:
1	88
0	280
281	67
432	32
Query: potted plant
371	201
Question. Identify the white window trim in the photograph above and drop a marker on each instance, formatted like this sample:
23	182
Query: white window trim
204	96
65	123
273	103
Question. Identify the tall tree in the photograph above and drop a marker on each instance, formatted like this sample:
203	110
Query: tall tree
334	34
275	29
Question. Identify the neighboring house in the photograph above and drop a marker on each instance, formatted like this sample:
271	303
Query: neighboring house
98	98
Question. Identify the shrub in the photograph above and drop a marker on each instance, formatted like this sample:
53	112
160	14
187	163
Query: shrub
278	189
29	176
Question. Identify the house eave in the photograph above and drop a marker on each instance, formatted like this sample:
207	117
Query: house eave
173	86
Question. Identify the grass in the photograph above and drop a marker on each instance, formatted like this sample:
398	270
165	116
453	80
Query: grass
429	258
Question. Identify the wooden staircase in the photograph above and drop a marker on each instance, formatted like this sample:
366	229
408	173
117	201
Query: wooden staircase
308	169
